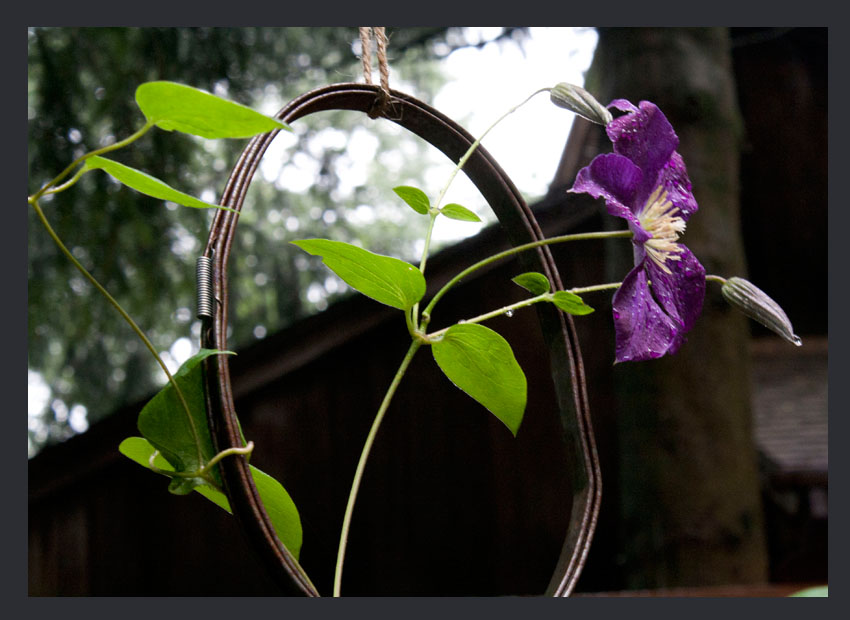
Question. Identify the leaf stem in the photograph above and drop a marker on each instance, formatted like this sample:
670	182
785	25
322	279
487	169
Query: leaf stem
171	473
361	464
46	188
204	471
524	304
67	184
426	313
411	320
246	449
114	303
435	209
494	313
461	162
433	218
580	290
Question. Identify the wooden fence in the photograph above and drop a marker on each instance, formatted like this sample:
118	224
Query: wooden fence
451	503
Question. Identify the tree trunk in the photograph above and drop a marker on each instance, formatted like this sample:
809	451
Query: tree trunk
690	508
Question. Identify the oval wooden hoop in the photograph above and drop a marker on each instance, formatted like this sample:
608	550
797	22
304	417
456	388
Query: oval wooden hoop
521	227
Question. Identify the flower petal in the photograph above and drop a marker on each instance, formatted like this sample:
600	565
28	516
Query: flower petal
624	105
647	138
674	178
680	294
642	329
615	178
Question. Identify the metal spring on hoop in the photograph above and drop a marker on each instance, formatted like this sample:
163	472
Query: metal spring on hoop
203	273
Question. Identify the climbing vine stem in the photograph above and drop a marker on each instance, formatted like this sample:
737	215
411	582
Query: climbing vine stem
426	313
419	338
52	187
545	297
460	164
364	455
33	201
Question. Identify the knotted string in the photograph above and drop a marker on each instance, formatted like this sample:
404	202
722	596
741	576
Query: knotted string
380	35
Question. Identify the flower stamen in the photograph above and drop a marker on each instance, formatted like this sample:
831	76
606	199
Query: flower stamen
659	219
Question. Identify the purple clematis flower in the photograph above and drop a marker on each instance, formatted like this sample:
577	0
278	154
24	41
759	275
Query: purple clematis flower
644	181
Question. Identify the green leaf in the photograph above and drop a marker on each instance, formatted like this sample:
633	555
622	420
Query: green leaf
145	183
281	510
279	505
139	449
816	591
481	363
455	211
415	197
385	279
570	303
177	107
182	439
535	283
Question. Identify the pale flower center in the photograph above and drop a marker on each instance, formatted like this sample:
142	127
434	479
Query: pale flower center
659	219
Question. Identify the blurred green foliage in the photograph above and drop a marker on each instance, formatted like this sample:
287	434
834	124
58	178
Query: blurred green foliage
81	84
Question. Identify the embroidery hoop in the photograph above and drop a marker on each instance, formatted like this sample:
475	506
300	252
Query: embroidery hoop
521	227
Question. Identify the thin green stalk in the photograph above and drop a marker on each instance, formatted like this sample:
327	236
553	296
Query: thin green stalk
428	233
426	314
202	473
205	470
245	450
67	184
410	320
460	164
494	313
114	303
524	304
46	188
581	290
364	455
718	279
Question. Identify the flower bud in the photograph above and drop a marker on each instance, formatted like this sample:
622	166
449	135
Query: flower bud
578	100
753	302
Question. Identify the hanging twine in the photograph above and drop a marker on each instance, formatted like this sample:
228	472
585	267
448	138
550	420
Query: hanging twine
380	35
366	53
